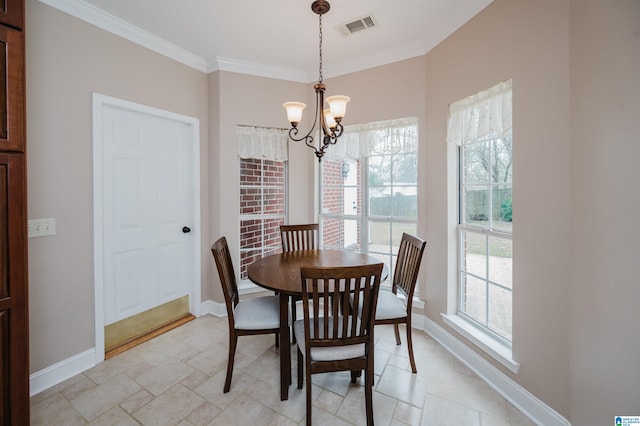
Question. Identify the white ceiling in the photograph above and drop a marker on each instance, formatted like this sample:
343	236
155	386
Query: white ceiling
278	38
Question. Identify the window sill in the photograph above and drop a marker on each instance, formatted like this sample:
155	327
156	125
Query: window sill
247	287
417	303
497	350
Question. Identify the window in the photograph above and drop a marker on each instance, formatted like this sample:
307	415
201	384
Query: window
263	192
369	189
485	233
481	127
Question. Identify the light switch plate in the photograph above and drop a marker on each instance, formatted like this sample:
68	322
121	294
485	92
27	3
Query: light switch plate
41	227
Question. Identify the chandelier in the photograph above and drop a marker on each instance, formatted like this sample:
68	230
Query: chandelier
329	118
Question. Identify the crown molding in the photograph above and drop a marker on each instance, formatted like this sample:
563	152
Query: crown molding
99	18
95	16
261	70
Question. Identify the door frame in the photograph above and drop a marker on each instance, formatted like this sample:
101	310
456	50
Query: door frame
195	288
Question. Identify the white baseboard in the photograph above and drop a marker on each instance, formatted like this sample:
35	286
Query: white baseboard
67	368
536	410
214	308
61	371
76	364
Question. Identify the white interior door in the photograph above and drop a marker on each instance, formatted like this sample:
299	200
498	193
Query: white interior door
146	210
147	204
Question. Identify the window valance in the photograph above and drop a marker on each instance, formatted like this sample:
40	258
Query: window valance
482	114
262	142
360	140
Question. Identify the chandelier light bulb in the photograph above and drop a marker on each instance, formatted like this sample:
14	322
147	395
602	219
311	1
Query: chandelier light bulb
329	121
338	105
294	111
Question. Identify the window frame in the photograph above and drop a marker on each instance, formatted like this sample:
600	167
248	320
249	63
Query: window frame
490	111
244	284
487	232
484	327
363	216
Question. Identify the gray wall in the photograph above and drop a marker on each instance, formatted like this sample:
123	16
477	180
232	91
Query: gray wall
68	59
242	99
527	41
574	67
605	148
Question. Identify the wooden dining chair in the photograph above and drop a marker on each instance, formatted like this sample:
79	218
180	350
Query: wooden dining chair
299	237
332	336
294	238
259	315
391	308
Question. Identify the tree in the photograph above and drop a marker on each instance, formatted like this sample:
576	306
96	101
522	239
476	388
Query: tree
488	161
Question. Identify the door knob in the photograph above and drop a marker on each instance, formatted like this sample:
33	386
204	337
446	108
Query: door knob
186	229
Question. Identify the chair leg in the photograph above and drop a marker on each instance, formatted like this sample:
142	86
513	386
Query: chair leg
233	341
293	318
410	346
368	395
372	355
309	402
355	374
277	334
300	368
397	330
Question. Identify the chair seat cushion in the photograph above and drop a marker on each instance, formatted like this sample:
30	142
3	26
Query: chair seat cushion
390	306
257	313
329	353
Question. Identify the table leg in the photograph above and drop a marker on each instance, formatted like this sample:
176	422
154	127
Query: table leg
285	348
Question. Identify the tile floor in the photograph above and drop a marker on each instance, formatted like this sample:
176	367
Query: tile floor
177	379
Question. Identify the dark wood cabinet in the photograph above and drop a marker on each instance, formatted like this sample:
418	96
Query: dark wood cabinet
12	89
14	314
12	13
14	354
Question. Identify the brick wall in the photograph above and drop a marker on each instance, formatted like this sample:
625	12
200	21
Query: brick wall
262	192
332	203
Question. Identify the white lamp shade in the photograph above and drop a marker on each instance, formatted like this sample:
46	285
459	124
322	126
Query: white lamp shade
338	105
328	119
294	111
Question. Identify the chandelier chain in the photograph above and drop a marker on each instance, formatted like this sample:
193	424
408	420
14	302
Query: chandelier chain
330	127
320	47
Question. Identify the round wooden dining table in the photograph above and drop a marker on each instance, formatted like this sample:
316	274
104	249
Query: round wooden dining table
280	272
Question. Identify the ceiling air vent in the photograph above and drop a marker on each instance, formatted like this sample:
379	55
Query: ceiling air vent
352	27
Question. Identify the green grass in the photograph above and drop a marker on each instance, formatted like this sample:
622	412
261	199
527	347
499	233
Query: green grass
379	232
379	235
498	247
